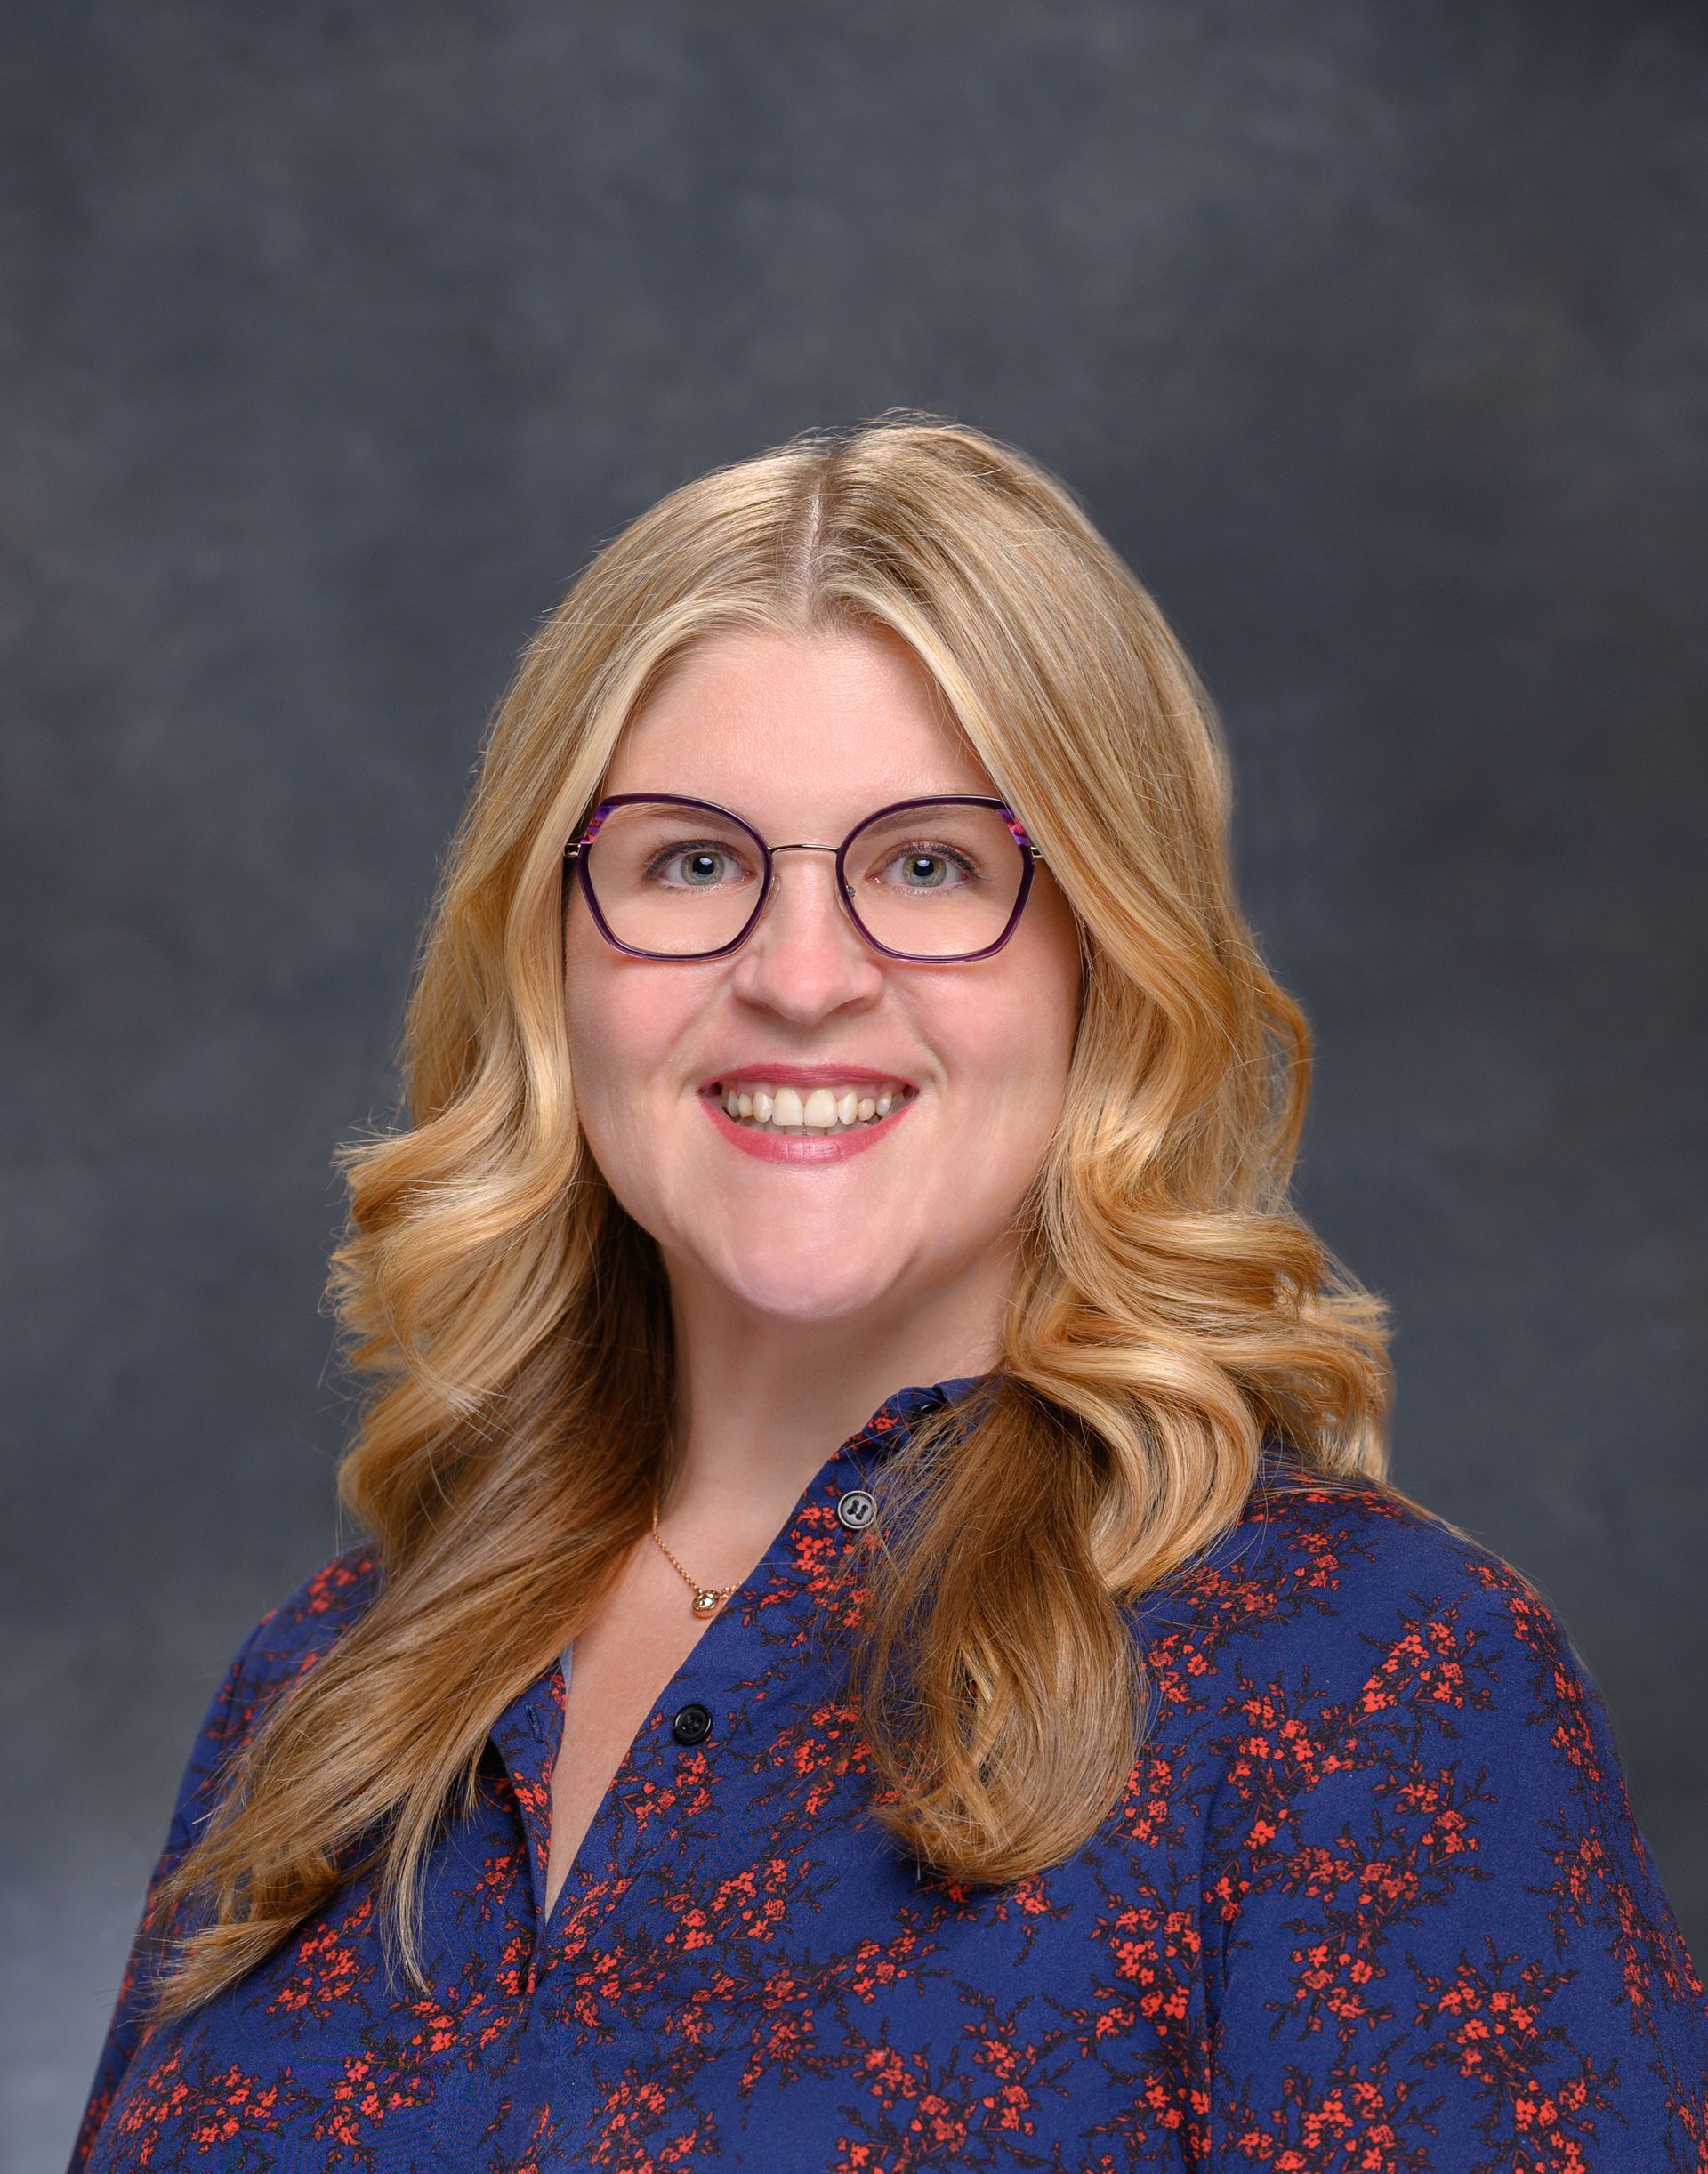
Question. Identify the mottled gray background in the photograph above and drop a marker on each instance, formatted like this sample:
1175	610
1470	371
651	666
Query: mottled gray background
337	338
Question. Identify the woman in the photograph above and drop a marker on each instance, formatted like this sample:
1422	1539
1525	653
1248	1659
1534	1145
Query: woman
837	1028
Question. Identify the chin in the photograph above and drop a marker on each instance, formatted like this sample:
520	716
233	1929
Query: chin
787	1287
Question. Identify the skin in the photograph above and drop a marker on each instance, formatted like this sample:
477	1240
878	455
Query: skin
802	1295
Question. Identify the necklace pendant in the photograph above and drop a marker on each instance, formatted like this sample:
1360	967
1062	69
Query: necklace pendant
706	1603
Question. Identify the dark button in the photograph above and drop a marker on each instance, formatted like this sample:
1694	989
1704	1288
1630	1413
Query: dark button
856	1509
693	1723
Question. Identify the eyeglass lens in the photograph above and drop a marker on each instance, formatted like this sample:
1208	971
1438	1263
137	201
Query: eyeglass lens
937	881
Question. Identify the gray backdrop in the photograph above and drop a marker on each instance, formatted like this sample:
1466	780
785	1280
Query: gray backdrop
337	338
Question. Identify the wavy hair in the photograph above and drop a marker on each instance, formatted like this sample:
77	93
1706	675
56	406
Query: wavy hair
509	1322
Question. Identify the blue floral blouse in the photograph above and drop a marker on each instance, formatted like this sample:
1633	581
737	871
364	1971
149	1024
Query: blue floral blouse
1373	1899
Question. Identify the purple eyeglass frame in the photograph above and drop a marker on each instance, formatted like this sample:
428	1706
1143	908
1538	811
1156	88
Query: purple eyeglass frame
1029	854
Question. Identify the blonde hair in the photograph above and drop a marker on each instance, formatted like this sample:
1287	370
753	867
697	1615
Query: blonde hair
1170	1309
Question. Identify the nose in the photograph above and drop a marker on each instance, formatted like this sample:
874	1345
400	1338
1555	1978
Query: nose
805	957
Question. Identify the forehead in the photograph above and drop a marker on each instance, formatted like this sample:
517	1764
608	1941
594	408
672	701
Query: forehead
820	728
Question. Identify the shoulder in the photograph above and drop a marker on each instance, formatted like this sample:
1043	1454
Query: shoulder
1410	1784
288	1640
291	1636
1352	1565
1347	1675
1338	1612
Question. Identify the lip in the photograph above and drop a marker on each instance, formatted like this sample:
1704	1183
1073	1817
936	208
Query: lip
821	1073
803	1147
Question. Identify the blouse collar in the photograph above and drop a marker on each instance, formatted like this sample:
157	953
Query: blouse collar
888	1425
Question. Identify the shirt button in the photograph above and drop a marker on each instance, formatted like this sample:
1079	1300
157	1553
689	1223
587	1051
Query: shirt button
692	1724
856	1509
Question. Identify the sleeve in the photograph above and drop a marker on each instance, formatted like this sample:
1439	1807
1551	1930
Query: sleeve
225	1725
1448	1949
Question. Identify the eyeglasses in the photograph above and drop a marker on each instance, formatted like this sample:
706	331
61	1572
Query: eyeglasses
935	880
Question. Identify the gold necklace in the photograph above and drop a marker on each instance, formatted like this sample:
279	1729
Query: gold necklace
707	1598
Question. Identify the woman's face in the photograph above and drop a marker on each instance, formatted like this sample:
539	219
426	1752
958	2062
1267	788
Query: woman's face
804	738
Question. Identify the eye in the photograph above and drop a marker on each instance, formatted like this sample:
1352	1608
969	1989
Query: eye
927	866
694	864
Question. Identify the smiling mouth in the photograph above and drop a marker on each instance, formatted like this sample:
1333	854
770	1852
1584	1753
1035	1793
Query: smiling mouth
759	1107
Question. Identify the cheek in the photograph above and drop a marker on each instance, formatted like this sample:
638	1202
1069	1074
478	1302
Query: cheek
1026	1048
1008	1071
629	1025
587	1022
609	1067
1026	1022
620	1033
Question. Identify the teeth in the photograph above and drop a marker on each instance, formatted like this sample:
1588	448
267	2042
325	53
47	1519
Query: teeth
825	1109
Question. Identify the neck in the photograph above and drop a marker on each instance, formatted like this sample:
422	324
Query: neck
760	1406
